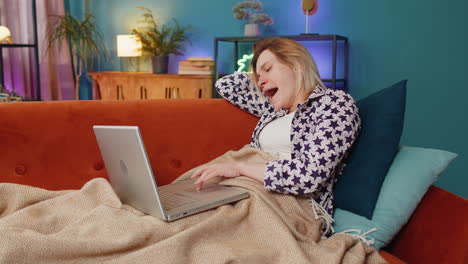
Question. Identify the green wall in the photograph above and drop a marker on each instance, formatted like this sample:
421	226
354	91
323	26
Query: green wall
424	41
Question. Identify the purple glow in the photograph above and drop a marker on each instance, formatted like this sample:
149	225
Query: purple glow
322	53
15	76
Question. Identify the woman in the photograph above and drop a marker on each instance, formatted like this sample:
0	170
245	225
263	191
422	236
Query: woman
310	127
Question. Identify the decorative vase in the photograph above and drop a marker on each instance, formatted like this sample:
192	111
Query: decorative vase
85	89
251	30
160	64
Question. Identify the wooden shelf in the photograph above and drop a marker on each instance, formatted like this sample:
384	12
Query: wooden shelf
146	85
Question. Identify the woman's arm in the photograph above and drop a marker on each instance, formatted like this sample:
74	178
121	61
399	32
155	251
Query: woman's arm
322	150
255	171
240	90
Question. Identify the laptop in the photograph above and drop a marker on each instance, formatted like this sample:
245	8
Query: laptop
132	179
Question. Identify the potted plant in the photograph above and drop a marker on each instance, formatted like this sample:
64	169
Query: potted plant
245	10
85	41
159	42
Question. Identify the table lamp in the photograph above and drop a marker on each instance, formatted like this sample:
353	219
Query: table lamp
128	46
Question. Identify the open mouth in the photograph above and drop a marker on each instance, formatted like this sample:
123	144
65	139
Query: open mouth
271	92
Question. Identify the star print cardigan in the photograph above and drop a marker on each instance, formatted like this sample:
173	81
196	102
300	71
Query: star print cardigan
323	130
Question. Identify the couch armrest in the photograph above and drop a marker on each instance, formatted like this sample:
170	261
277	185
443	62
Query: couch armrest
391	259
437	232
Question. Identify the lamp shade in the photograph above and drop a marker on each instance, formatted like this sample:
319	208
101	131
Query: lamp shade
128	46
4	34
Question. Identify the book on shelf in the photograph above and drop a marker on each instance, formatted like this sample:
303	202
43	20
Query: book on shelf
199	59
196	63
197	66
190	72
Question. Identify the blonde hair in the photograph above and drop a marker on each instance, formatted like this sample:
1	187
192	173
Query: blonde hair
294	55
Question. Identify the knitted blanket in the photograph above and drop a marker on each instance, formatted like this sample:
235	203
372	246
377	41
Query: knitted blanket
91	225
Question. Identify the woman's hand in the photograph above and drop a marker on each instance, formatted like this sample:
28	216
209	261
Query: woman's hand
227	170
255	171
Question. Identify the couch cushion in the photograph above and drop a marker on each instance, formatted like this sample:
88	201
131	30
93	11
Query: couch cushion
412	172
382	116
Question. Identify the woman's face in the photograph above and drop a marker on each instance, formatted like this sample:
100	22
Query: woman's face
277	81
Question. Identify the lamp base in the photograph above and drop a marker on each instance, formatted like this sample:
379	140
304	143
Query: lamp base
130	64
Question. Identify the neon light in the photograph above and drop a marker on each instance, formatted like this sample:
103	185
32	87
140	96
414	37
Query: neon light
246	58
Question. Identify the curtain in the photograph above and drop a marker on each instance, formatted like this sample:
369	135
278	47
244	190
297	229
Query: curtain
56	77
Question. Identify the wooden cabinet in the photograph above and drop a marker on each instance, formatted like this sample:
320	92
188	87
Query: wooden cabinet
142	85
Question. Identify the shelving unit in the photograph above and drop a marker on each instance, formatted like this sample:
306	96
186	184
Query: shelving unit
333	39
33	46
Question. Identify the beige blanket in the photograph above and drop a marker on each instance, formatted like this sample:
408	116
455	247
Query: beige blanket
92	226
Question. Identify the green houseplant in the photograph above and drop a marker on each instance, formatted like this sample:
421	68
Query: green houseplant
160	42
86	43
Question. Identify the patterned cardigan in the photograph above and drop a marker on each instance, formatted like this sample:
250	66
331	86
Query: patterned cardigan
323	130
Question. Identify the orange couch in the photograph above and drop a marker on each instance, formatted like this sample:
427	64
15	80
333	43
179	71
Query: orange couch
51	145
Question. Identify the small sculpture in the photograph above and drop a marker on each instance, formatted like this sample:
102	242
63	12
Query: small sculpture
245	10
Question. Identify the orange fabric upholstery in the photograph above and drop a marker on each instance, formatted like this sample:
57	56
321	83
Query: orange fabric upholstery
437	231
51	145
391	259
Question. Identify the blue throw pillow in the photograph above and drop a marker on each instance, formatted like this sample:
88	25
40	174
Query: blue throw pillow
382	116
411	174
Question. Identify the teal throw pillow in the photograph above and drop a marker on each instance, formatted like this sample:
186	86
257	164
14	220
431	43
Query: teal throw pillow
411	174
382	117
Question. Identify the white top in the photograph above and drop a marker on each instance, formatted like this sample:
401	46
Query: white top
275	136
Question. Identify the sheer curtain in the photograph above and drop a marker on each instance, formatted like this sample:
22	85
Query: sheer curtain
56	77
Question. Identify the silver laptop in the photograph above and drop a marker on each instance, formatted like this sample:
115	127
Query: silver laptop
132	179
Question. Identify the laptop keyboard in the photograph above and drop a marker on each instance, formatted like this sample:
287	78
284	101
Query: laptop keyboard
172	200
